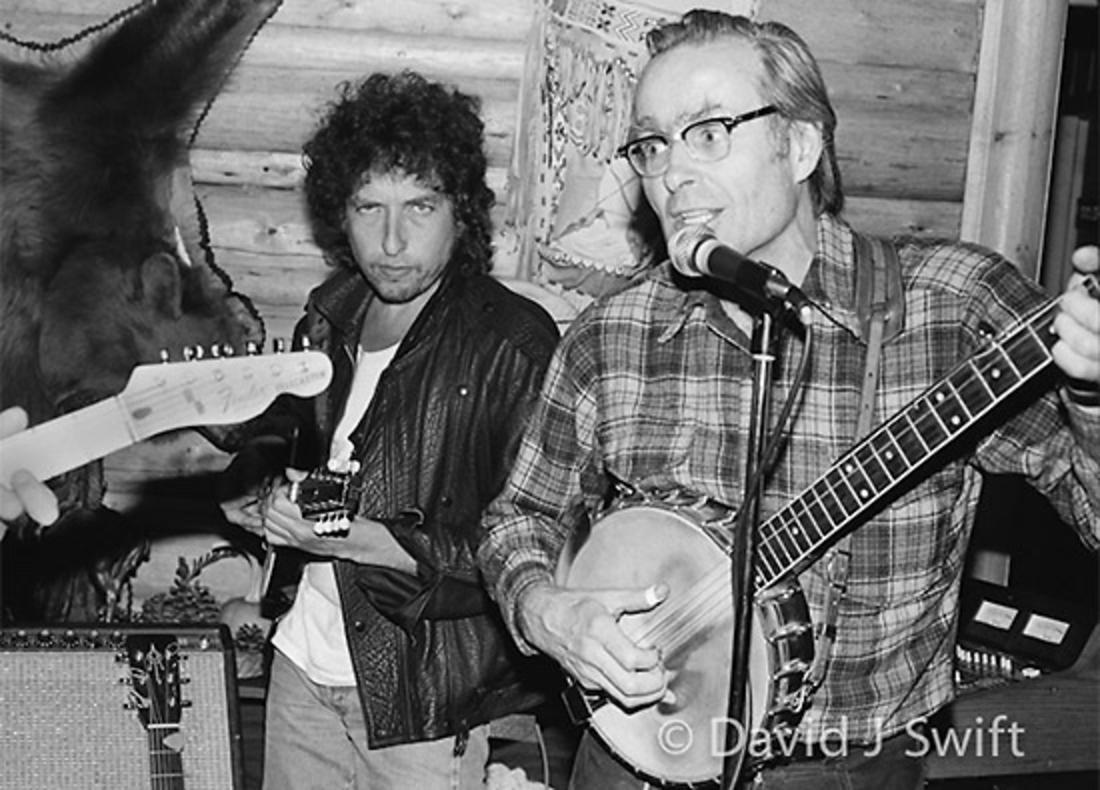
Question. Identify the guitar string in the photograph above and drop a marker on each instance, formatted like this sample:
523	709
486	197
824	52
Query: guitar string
771	528
168	409
167	763
682	629
672	626
156	396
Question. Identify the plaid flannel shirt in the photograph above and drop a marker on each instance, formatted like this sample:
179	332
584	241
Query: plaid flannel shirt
653	386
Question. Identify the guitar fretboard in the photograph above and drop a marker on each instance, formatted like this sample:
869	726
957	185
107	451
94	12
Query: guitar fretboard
67	442
159	398
796	535
165	762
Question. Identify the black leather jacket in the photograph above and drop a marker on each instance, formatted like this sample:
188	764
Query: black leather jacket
430	652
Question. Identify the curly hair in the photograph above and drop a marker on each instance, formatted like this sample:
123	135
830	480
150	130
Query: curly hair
400	122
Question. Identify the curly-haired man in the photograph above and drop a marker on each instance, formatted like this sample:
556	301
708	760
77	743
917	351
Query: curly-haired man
392	660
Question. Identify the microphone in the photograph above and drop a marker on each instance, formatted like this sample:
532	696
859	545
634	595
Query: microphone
695	252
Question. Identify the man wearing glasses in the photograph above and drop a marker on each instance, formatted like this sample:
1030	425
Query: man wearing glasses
732	139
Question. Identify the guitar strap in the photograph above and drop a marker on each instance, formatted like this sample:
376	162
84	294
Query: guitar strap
880	307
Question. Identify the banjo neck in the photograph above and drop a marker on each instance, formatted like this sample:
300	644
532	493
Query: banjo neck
893	453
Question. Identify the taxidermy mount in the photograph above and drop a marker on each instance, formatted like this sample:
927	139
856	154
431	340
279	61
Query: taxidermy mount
103	256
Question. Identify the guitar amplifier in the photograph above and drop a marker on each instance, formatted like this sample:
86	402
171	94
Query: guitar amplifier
119	707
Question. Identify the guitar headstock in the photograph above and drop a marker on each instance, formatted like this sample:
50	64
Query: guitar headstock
322	498
154	661
219	390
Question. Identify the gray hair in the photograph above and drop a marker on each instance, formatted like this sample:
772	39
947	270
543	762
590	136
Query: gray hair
790	79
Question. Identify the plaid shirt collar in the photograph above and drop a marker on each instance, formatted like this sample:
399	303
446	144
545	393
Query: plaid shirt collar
830	283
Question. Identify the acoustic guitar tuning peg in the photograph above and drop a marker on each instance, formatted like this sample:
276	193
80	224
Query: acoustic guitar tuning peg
251	349
188	353
199	352
279	345
305	344
215	351
228	350
164	357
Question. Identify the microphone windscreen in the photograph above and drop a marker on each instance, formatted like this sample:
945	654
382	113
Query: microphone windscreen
682	246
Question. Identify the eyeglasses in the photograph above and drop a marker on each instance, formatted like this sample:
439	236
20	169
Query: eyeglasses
707	140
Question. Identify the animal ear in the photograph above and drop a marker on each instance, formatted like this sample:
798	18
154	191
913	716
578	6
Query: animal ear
161	287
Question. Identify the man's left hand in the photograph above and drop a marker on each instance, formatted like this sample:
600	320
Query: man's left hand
1077	325
367	542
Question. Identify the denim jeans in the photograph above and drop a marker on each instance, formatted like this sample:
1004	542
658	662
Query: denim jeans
890	769
316	737
884	766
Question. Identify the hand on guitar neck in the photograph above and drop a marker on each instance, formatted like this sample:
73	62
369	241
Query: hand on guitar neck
24	493
1077	351
580	629
157	398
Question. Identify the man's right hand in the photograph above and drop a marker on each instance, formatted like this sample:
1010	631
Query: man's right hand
243	487
245	511
579	629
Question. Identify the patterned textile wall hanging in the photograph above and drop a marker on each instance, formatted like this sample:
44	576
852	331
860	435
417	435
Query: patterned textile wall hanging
572	200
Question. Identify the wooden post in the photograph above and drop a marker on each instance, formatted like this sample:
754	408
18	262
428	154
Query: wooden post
1008	171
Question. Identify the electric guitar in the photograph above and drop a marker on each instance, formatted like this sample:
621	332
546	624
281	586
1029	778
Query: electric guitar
159	398
323	498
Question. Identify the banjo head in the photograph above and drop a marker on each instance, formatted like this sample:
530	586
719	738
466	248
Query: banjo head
683	740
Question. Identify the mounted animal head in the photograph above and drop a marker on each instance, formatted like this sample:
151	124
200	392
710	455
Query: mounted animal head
103	260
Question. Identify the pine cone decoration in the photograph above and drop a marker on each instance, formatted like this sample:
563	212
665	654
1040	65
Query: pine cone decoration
188	601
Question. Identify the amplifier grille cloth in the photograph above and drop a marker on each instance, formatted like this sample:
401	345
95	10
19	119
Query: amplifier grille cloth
63	724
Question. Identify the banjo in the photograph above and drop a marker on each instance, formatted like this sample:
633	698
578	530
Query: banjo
684	542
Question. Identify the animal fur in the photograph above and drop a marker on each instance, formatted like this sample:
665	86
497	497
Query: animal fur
101	260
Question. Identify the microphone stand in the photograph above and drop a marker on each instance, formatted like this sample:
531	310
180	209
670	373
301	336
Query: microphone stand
743	550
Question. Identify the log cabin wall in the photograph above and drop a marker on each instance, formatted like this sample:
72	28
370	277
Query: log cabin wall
902	75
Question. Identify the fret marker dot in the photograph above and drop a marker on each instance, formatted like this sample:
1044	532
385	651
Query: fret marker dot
955	419
940	397
995	373
864	493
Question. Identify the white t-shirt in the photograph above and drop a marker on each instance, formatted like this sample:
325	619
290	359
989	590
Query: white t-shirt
311	634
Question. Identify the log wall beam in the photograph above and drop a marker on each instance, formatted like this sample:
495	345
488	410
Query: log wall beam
1011	139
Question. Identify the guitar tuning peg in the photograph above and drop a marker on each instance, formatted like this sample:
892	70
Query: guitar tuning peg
305	345
199	352
215	351
251	349
188	353
164	357
228	350
279	345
